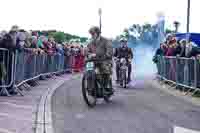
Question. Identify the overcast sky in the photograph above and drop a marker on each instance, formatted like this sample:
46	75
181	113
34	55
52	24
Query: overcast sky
76	16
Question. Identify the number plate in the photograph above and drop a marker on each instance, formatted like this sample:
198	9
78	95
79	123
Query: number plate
90	66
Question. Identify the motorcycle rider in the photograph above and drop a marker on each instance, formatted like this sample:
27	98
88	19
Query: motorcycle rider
124	52
101	48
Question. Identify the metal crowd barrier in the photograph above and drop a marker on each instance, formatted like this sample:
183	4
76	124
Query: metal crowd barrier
16	68
6	69
183	72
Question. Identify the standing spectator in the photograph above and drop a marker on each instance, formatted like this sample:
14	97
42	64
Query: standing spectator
59	49
34	42
159	52
82	54
48	46
40	43
171	47
21	37
188	49
178	48
2	34
28	40
68	60
10	42
193	52
11	38
183	48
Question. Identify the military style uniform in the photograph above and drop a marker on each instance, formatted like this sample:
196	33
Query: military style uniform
124	53
102	47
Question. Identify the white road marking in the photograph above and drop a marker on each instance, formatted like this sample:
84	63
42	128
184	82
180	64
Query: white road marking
184	130
2	130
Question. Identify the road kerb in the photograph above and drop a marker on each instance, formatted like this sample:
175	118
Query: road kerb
44	117
175	93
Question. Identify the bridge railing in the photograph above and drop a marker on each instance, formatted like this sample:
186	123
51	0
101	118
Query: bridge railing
183	72
17	68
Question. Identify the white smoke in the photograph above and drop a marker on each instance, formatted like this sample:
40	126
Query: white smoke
142	62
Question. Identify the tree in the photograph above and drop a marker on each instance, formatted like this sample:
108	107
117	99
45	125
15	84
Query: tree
59	37
83	39
167	31
68	36
176	25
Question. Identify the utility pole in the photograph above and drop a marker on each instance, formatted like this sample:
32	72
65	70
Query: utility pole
188	17
188	26
188	20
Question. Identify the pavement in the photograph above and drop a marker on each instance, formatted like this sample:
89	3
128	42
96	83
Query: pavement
18	114
141	108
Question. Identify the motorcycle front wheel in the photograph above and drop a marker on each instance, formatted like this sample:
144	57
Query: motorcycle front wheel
89	94
123	79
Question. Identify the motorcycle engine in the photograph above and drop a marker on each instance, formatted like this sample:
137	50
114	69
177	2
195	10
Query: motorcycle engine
123	61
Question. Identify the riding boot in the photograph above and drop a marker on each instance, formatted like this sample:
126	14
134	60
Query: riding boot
129	73
117	73
108	84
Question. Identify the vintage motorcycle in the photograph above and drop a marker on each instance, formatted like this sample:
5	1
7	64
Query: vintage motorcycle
123	71
94	84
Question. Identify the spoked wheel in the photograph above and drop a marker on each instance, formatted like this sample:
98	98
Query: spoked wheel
89	94
123	79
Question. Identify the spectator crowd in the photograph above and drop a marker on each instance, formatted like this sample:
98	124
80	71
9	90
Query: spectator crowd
180	48
36	43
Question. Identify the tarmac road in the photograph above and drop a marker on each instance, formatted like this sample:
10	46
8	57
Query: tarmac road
141	108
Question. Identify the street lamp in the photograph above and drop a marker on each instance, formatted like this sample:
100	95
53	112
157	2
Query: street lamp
100	12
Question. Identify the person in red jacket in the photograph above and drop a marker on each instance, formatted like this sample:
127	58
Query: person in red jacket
77	59
81	62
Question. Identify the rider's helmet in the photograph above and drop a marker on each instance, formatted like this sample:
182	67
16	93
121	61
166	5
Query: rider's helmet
123	39
94	29
123	42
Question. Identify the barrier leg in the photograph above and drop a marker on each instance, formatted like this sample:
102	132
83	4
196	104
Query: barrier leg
195	91
18	90
26	87
174	87
36	82
160	81
4	90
